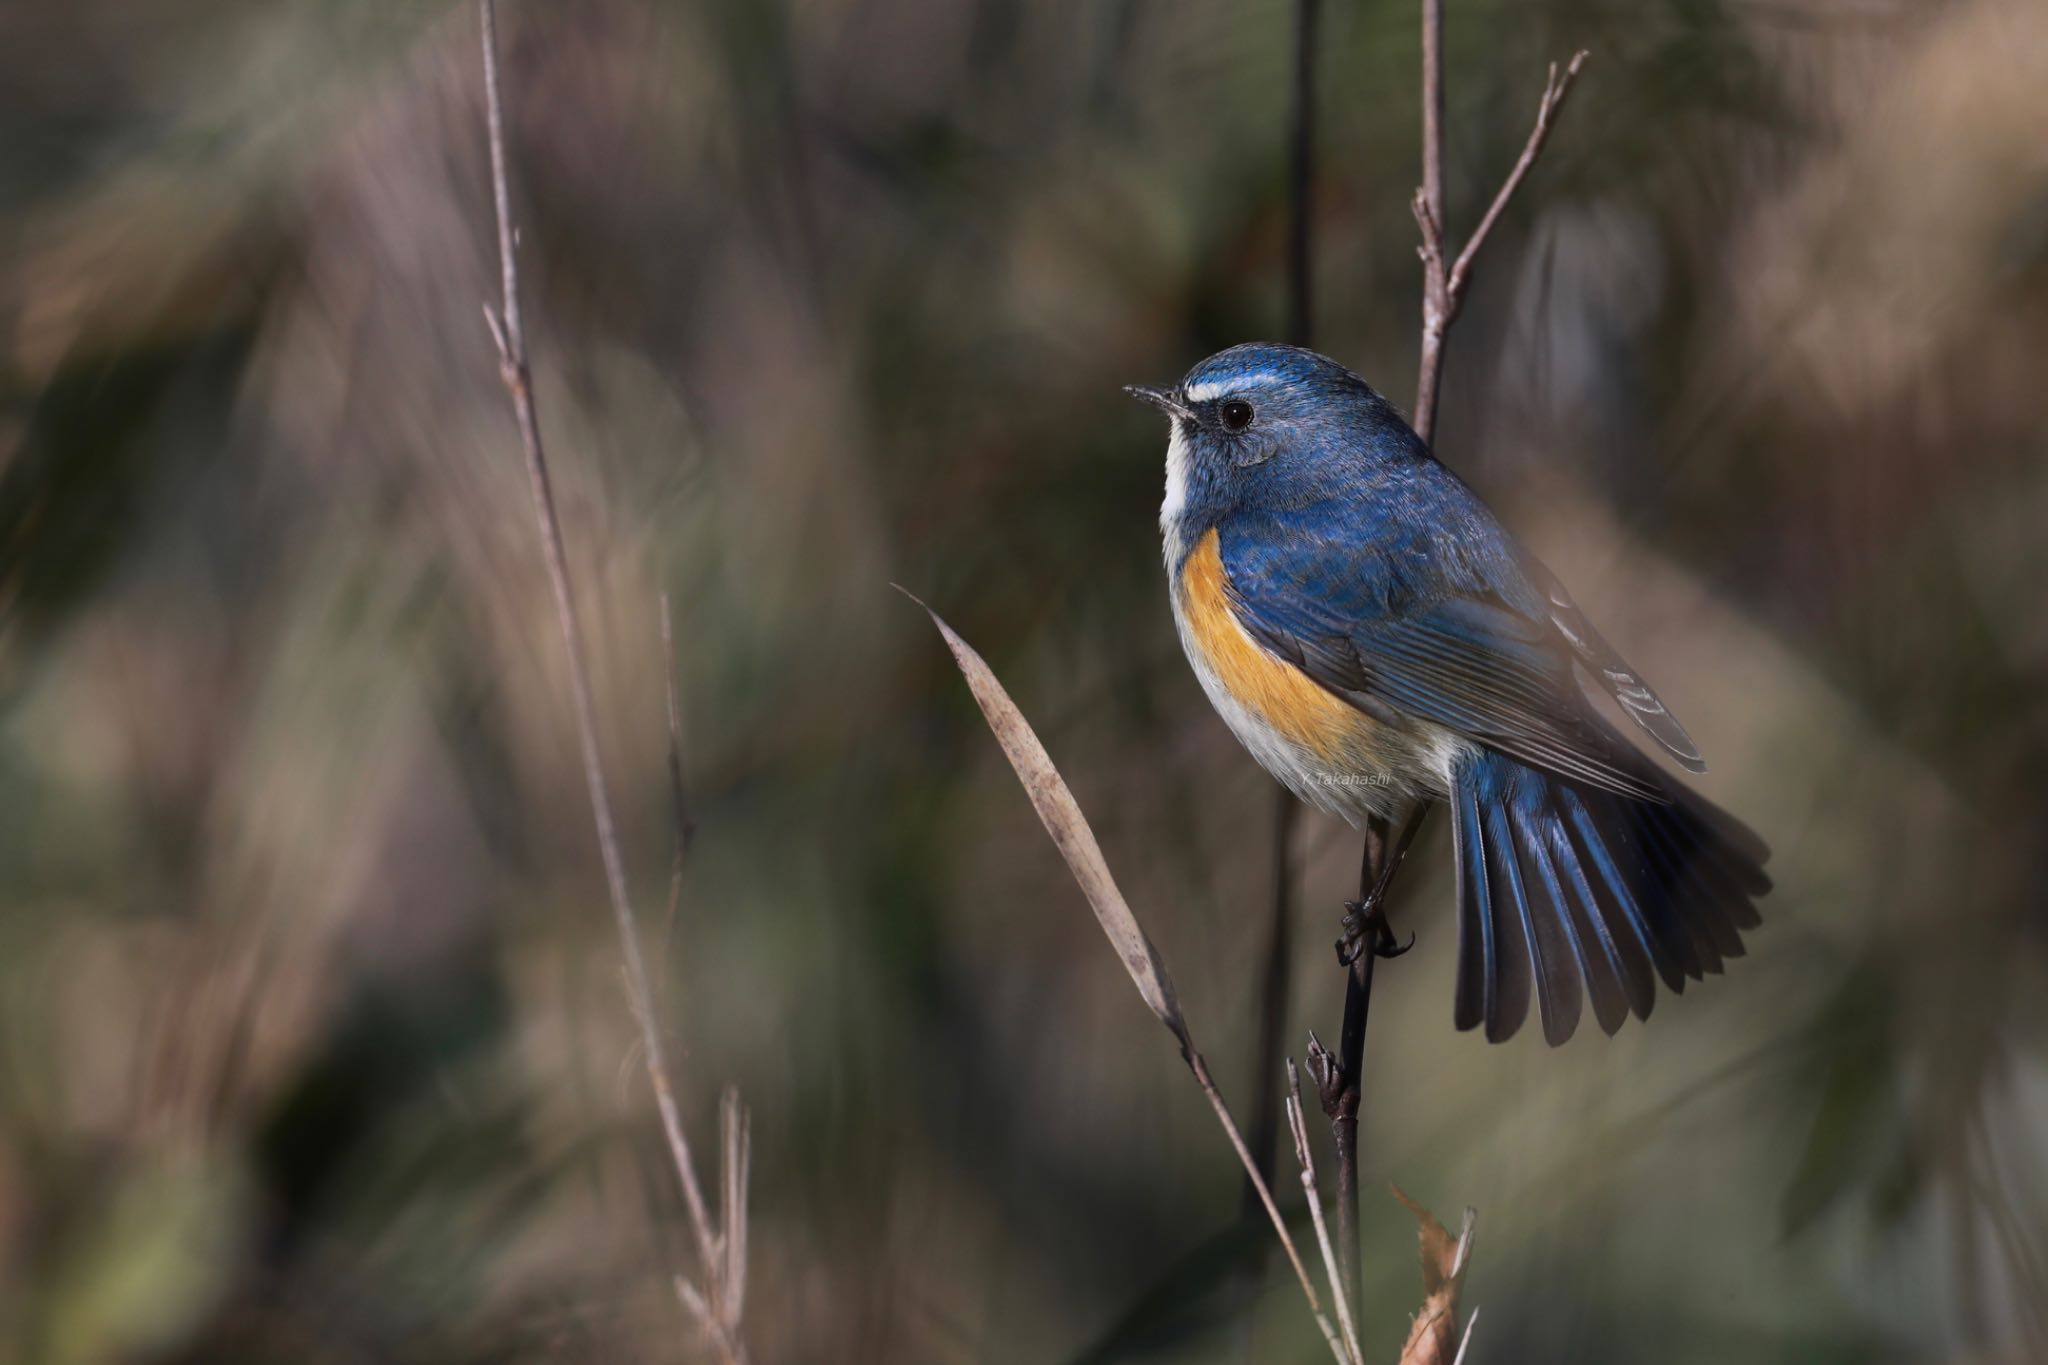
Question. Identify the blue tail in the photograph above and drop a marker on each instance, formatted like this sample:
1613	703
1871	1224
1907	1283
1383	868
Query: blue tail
1586	893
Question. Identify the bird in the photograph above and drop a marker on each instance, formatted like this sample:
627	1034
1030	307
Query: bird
1381	643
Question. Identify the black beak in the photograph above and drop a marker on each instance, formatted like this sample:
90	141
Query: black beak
1167	401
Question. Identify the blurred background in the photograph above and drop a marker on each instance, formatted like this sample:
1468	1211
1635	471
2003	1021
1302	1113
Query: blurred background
312	1041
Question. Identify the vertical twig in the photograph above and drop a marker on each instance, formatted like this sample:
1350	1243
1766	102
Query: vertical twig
1340	1079
1465	1342
1304	1154
1445	277
1443	292
1444	282
736	1157
1200	1068
718	1316
679	806
1429	209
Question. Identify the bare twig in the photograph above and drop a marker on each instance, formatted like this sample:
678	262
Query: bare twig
1465	1342
679	805
1429	212
1340	1078
1445	276
736	1143
1556	88
1061	815
716	1308
1304	1154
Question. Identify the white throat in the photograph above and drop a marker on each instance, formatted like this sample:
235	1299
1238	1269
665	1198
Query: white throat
1178	463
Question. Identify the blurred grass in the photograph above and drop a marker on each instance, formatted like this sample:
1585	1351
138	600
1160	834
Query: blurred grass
310	1038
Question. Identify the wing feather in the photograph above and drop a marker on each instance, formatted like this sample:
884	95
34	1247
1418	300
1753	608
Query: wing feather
1460	654
1637	699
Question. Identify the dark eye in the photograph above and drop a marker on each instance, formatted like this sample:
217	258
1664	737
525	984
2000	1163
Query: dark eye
1235	414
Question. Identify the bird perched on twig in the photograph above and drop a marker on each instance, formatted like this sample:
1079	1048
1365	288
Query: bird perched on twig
1378	640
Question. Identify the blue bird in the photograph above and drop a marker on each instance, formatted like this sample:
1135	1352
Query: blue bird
1376	638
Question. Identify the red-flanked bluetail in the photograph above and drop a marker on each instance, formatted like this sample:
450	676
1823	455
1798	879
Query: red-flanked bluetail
1378	640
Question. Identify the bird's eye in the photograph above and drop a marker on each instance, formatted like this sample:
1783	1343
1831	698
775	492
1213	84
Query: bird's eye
1235	414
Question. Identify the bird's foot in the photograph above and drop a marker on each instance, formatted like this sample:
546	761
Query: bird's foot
1366	931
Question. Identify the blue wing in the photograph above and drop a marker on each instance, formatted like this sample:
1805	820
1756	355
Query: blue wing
1412	597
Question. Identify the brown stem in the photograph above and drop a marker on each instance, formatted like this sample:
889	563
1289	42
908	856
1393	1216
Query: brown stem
1556	88
509	332
1304	1154
1445	275
1200	1068
679	804
1341	1079
1429	213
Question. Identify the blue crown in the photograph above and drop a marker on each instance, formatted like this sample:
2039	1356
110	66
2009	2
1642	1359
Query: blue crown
1261	365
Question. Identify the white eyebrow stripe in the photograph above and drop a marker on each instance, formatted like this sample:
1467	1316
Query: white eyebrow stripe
1203	392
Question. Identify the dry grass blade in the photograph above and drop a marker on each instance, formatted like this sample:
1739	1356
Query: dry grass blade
1062	817
736	1132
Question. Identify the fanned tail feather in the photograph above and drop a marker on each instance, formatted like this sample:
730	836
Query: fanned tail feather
1569	893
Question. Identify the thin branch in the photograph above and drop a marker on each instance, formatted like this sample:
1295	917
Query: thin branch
1556	88
1340	1078
1447	274
736	1138
1201	1070
1304	1153
508	332
1465	1342
1445	278
1430	197
679	806
1429	215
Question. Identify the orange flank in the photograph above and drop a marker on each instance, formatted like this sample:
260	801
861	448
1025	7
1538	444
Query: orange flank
1287	699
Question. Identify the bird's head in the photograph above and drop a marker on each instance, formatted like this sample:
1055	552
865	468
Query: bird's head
1268	420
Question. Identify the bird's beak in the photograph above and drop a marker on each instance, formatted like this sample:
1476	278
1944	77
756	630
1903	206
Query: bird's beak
1166	400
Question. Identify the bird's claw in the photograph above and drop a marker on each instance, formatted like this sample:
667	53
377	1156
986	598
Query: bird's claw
1366	930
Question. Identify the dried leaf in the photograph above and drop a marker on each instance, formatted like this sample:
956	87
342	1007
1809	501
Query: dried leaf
1062	818
1433	1338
